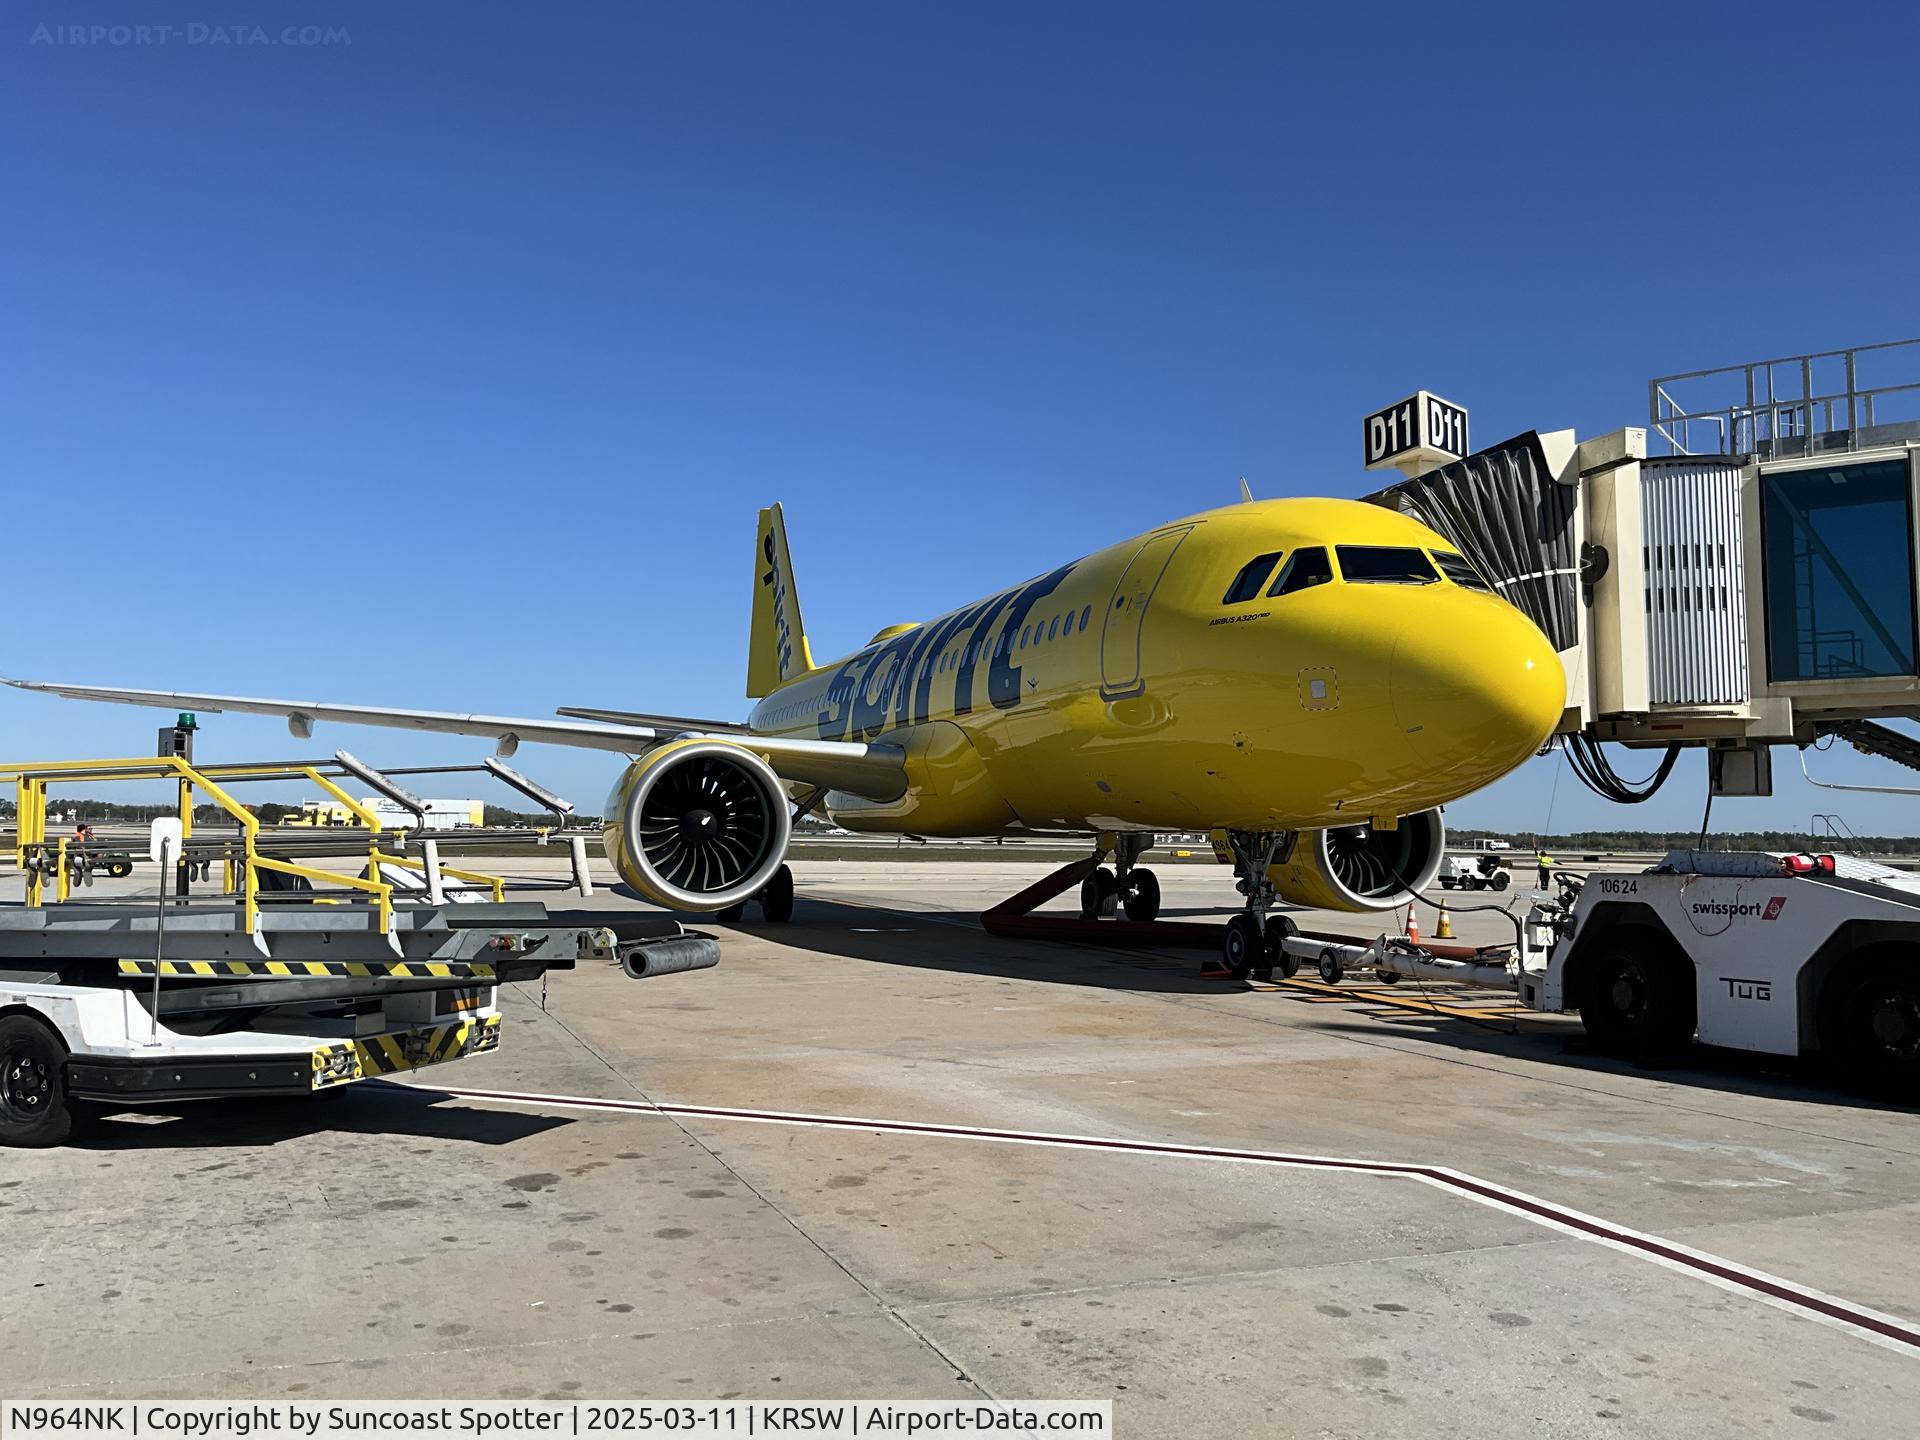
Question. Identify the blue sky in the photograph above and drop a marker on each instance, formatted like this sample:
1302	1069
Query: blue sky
443	360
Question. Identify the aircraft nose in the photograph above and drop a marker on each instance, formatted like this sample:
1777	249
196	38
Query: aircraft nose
1479	689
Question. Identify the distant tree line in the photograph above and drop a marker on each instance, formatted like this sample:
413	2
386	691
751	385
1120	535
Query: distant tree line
1792	841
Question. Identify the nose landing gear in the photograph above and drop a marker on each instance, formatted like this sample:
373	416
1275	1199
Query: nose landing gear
1255	942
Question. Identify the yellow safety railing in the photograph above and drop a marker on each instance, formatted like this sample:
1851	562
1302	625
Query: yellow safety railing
472	877
382	893
30	839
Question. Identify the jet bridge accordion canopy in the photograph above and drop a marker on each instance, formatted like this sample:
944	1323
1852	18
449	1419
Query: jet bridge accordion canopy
1513	520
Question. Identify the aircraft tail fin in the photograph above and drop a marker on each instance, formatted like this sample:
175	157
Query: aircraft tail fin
778	650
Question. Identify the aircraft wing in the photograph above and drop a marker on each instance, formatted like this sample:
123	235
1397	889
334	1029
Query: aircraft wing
874	771
673	724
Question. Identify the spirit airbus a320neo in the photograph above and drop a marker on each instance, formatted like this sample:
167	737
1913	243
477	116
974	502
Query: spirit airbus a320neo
1313	677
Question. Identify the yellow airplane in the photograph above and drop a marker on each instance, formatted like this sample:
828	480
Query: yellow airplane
1314	678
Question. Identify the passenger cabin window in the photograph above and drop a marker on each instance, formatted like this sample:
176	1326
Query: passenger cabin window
1385	565
1251	579
1303	570
1456	569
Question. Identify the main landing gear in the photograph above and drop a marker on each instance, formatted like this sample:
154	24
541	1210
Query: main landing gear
1127	886
775	900
1255	945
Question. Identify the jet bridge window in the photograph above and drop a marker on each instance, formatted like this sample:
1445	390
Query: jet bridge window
1385	565
1456	569
1247	584
1304	569
1838	545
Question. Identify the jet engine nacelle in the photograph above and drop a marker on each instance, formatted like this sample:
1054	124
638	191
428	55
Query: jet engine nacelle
1359	867
698	824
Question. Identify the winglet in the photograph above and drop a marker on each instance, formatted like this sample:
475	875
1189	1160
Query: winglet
1246	495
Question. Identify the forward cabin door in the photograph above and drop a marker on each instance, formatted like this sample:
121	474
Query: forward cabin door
1127	614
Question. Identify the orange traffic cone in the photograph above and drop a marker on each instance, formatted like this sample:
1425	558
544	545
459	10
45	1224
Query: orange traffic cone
1413	927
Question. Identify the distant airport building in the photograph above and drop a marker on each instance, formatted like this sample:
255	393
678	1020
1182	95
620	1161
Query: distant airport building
441	814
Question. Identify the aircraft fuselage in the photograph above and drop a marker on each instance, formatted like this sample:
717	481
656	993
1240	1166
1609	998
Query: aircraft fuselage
1130	690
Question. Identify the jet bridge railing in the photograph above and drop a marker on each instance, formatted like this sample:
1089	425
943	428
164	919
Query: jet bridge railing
1795	405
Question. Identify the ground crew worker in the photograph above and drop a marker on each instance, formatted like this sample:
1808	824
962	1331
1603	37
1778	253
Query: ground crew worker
1546	870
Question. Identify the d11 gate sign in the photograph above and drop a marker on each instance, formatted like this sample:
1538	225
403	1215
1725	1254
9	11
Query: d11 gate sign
1415	434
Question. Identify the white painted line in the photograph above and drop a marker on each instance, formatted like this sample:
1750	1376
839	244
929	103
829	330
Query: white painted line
1889	1331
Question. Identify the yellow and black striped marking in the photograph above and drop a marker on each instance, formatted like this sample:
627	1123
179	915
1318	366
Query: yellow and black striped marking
313	969
376	1055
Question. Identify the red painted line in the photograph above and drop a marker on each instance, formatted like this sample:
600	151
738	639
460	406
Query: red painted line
1773	1289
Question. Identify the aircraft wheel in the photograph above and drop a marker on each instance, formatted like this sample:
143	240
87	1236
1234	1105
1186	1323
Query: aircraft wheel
776	900
1094	891
1142	899
1273	955
731	913
33	1084
1331	970
1637	994
1244	946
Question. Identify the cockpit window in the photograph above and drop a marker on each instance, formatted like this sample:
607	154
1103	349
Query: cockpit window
1385	565
1304	569
1456	569
1247	584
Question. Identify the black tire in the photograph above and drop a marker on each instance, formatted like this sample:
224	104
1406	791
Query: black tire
776	900
120	869
731	913
1331	970
1446	882
34	1112
1500	879
1092	892
1636	994
1874	1025
1243	947
278	882
1387	977
1142	898
1278	959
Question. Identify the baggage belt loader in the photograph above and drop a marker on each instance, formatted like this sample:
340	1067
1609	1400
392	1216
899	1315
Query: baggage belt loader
96	1006
1774	953
296	979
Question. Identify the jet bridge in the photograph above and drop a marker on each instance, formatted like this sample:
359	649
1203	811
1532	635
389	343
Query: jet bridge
1739	573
